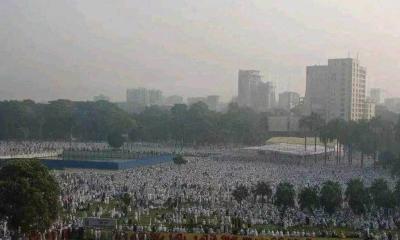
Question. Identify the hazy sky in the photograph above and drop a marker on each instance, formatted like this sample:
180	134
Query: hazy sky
79	48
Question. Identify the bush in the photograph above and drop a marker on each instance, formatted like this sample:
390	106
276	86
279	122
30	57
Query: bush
115	140
179	159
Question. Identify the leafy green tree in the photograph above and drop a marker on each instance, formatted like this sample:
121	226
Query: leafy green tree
285	195
115	140
331	196
308	198
263	189
29	196
381	194
240	193
357	196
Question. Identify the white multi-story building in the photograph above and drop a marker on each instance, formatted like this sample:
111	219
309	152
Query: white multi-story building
140	98
288	100
253	92
337	90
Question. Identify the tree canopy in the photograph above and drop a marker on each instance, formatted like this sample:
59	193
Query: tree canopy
285	195
29	196
331	196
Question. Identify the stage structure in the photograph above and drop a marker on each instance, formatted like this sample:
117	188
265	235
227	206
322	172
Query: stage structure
290	151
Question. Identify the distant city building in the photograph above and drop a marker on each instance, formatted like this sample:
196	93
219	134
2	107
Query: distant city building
288	100
377	95
211	101
140	98
172	100
253	92
155	97
369	108
393	104
101	97
337	90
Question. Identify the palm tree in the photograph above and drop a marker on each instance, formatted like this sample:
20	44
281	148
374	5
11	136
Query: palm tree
336	132
304	124
311	124
324	137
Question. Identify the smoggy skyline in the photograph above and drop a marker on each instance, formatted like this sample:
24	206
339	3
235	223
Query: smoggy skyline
77	49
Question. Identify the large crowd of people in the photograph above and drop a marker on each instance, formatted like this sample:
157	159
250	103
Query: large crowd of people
171	197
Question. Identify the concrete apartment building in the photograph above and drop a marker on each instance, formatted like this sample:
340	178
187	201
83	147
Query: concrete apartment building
288	100
337	90
139	98
253	92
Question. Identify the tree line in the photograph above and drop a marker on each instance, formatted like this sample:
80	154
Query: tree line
96	121
377	138
330	197
61	120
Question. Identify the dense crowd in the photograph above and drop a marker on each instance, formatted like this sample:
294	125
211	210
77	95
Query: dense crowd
171	197
199	193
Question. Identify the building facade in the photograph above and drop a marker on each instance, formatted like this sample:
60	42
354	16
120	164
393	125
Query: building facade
139	98
253	92
337	90
288	100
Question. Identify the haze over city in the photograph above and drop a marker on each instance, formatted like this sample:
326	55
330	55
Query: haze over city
77	49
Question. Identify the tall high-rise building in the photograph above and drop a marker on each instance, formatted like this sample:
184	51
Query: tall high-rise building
337	90
316	98
155	97
248	81
288	100
212	102
253	92
377	95
140	98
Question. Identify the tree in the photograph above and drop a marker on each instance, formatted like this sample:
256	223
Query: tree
357	196
115	140
29	196
337	130
285	195
325	138
240	193
262	189
396	193
331	196
179	159
381	194
308	198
